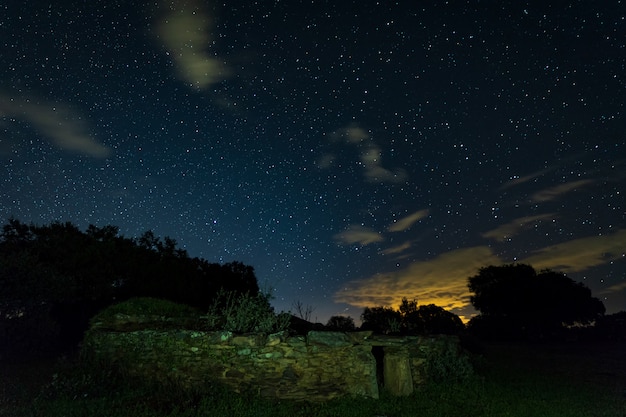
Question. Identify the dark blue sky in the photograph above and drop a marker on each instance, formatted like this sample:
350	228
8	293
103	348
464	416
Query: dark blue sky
353	152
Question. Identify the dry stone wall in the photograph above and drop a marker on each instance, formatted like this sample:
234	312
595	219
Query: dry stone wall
315	367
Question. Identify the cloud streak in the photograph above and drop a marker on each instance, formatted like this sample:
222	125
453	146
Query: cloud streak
580	254
408	221
441	281
553	193
506	231
397	249
64	128
185	32
356	234
370	156
614	289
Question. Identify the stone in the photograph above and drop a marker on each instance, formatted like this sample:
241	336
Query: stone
290	374
316	367
397	374
243	341
275	338
332	339
358	337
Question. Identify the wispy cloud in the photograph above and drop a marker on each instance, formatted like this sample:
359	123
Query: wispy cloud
441	281
357	234
555	192
185	30
326	161
580	254
517	180
408	221
370	155
351	134
397	249
613	289
371	158
509	230
62	126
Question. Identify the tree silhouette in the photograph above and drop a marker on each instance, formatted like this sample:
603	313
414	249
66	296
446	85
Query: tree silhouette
59	274
437	320
411	319
302	311
612	326
341	323
516	302
382	320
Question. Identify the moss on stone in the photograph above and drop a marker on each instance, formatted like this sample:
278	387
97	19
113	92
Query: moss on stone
314	367
147	306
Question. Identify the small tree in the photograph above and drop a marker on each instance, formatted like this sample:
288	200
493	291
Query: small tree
383	320
411	320
341	323
303	311
437	320
244	313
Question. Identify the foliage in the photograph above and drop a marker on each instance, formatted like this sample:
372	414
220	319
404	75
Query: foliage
516	302
410	319
448	364
70	275
381	320
64	263
611	326
244	313
341	323
437	320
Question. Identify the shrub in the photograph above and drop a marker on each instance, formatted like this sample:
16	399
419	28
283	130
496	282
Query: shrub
341	323
449	364
244	313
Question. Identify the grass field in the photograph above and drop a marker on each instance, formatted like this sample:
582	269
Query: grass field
564	380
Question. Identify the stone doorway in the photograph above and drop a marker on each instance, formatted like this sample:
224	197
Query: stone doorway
379	356
393	371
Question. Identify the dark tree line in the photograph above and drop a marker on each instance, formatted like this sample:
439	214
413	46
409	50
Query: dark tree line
409	319
517	303
54	278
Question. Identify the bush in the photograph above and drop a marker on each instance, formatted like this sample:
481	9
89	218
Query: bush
449	364
341	323
245	313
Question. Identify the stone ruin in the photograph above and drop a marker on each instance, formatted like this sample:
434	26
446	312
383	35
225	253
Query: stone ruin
318	366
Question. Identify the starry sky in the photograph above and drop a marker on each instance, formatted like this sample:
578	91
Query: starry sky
353	152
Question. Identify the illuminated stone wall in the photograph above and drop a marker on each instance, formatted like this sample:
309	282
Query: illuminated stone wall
315	367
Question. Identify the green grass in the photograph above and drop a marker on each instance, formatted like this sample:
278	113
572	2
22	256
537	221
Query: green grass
147	306
534	381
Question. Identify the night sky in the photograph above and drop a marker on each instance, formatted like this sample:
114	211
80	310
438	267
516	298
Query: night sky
352	152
